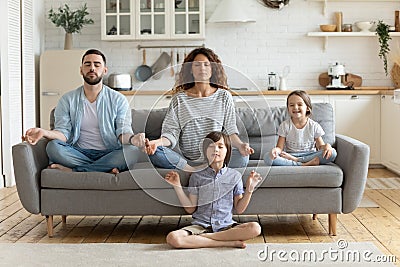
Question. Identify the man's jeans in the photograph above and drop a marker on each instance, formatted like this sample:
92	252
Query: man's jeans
90	160
302	158
167	158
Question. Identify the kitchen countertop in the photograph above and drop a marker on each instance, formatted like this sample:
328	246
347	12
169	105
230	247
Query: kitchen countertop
375	90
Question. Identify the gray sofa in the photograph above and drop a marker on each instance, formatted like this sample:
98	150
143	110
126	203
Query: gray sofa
327	189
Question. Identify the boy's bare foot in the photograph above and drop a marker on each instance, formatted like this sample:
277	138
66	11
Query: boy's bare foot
286	155
60	167
239	244
313	162
114	171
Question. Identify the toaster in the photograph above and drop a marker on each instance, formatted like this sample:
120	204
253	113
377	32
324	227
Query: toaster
120	82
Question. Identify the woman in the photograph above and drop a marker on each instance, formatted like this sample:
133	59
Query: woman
201	104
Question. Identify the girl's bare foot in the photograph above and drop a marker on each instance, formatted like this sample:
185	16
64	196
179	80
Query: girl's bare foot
114	171
313	162
286	155
60	167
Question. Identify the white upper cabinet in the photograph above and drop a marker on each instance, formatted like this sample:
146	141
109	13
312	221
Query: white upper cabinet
152	19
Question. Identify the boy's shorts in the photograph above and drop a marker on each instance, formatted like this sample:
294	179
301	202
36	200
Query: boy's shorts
198	229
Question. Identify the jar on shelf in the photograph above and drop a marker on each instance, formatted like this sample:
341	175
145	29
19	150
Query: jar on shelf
347	27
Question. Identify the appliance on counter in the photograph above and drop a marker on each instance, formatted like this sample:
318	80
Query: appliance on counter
120	82
336	74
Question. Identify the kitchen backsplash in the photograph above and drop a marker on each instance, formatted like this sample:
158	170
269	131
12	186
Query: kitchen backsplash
277	39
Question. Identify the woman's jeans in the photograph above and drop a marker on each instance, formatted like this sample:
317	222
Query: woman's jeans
303	157
91	160
167	158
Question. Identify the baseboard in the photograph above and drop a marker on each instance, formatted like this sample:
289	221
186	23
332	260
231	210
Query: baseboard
376	166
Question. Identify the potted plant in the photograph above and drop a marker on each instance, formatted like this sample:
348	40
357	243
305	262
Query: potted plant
382	30
71	20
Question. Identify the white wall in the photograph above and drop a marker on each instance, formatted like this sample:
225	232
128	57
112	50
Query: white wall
278	38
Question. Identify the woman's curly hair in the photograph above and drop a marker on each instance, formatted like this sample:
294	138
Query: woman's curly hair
185	78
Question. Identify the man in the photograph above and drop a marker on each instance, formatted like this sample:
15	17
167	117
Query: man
92	125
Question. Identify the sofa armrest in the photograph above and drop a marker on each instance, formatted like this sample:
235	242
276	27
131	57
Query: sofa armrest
29	161
353	159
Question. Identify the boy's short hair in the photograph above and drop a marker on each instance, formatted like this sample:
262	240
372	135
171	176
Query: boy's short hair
215	136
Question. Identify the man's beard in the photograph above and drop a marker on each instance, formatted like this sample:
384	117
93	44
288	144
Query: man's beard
93	81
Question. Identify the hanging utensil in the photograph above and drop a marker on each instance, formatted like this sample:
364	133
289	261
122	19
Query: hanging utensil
172	63
143	72
161	63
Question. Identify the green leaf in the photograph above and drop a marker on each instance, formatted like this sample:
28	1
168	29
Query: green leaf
71	20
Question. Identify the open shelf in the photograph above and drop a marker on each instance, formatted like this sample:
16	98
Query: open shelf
345	34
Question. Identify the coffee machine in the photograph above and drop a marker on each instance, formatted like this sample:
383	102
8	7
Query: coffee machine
336	74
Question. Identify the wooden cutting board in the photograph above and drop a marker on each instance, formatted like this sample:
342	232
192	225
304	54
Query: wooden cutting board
350	79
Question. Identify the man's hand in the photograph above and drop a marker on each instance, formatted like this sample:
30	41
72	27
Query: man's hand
252	181
245	149
173	178
33	135
138	140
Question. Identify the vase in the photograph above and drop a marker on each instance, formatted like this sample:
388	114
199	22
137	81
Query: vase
68	41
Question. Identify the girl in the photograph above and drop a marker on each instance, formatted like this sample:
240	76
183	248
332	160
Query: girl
201	104
300	136
213	193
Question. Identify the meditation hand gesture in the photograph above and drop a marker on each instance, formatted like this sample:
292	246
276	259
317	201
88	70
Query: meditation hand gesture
138	140
173	178
33	135
245	149
252	181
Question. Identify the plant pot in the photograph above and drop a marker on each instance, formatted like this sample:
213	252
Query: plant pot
68	41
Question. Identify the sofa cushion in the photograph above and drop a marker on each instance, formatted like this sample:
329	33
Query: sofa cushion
146	177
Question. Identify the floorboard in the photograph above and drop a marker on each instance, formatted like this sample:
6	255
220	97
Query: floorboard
378	225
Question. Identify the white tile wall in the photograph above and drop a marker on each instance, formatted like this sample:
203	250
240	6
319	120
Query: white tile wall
278	38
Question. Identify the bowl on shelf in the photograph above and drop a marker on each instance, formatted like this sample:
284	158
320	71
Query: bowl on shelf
364	26
327	27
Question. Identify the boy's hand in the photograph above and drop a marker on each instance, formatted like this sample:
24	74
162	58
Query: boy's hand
173	178
252	181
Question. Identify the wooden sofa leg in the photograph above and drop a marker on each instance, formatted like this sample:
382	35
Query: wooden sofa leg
332	223
64	219
314	216
49	219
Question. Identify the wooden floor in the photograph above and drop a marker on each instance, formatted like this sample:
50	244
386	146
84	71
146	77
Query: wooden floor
378	225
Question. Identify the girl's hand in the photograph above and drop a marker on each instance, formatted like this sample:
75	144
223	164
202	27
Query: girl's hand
252	181
327	151
150	147
245	149
173	178
275	152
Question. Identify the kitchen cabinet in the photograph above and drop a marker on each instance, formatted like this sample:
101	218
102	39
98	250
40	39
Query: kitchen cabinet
148	101
358	116
390	131
152	20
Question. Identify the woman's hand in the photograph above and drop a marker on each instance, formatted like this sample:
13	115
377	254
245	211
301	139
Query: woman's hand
252	181
173	178
150	147
245	149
